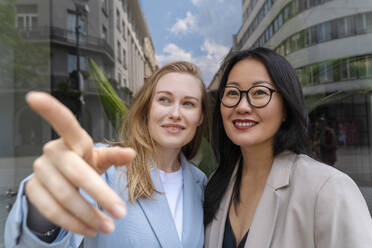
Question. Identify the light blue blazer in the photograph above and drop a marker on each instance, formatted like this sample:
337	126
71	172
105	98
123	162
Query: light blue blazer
149	223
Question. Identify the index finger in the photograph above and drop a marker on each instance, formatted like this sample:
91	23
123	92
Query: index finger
62	120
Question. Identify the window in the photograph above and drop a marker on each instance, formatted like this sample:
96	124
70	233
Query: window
71	24
320	33
287	12
104	33
325	72
327	31
369	66
360	24
27	17
71	63
344	69
350	25
341	27
280	20
124	59
313	35
276	25
304	76
118	51
348	69
118	23
124	31
296	41
314	74
324	31
119	79
280	50
361	67
334	34
288	48
105	7
270	29
353	67
314	3
295	7
369	22
302	5
307	37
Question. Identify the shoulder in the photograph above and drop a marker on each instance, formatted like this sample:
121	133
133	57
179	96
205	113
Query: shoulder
325	183
307	177
198	175
315	171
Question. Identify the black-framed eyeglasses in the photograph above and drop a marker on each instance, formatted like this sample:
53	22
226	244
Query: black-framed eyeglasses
258	96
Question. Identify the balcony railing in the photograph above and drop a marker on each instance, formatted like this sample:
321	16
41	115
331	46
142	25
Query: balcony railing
67	37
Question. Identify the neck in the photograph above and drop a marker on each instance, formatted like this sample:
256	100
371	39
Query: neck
167	159
257	162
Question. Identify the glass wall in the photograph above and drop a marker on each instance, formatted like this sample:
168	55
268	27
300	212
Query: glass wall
39	52
24	65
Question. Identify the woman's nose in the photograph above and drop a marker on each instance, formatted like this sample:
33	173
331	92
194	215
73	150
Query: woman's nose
175	112
244	106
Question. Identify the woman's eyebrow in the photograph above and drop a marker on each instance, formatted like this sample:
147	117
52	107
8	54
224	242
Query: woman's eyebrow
164	92
262	82
192	97
254	83
170	93
232	83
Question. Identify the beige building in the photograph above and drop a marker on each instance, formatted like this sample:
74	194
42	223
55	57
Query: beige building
134	50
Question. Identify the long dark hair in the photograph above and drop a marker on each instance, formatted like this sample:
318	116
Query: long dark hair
292	134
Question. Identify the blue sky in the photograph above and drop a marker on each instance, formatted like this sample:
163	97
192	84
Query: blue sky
199	31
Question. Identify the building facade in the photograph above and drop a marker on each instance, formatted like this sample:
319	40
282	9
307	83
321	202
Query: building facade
328	43
40	43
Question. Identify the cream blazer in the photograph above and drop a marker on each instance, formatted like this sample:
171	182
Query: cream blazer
305	204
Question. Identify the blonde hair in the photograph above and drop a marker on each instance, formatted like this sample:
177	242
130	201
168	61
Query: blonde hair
134	132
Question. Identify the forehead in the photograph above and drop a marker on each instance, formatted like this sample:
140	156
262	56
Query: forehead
180	83
248	71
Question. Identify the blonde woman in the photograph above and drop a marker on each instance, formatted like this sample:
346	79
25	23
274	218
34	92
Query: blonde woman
159	191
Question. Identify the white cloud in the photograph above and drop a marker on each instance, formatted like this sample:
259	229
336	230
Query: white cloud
188	24
196	2
172	52
214	50
208	63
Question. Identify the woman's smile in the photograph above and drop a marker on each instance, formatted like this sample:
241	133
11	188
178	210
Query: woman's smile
244	124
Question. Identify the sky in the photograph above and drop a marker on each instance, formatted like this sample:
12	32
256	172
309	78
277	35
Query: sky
199	31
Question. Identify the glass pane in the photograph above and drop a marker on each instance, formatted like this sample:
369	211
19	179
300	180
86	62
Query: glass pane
369	22
360	23
25	65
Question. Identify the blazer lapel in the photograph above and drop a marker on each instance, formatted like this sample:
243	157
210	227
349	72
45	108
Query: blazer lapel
192	211
159	216
216	229
263	225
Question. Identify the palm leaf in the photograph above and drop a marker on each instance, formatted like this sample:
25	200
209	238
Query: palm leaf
112	104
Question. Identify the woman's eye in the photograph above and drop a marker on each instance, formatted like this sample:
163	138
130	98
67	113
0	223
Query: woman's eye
232	93
260	92
163	100
191	104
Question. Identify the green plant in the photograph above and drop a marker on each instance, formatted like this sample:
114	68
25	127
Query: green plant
113	106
